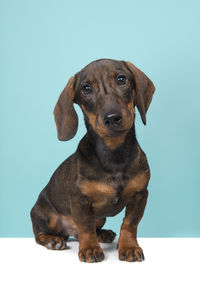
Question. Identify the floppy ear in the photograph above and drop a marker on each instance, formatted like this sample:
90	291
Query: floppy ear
144	90
64	113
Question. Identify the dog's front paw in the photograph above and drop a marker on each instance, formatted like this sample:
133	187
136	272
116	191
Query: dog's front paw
91	254
131	254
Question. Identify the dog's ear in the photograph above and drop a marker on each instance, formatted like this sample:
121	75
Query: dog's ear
144	90
64	113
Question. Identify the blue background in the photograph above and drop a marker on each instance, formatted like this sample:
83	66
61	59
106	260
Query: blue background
43	43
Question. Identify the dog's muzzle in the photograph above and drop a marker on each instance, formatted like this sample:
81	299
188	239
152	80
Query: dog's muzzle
111	114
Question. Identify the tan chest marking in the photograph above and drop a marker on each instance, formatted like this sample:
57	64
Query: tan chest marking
136	184
92	188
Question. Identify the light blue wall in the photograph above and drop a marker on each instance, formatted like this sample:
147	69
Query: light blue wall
43	43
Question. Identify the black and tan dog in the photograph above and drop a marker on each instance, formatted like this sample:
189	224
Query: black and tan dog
108	171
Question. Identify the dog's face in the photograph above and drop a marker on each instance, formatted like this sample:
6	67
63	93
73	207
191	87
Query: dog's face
107	92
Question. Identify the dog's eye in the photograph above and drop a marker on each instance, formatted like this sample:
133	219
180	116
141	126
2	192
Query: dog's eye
121	79
86	89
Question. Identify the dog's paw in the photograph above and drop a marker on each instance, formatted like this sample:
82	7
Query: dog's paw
90	255
52	242
105	236
131	254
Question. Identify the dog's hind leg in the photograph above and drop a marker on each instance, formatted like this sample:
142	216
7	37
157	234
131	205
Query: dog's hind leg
46	237
50	228
104	235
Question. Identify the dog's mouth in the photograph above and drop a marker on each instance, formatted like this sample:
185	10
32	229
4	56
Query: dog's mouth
116	131
113	130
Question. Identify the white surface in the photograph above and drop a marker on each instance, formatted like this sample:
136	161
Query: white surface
30	271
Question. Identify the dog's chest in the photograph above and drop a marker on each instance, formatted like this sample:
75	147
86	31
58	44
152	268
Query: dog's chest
107	197
103	195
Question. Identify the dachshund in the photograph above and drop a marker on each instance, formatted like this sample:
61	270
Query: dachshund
109	170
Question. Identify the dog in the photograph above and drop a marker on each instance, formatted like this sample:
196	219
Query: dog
109	170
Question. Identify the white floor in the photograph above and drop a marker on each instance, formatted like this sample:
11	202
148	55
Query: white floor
170	271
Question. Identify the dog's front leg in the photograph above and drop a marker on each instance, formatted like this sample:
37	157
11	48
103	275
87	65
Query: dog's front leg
128	247
89	248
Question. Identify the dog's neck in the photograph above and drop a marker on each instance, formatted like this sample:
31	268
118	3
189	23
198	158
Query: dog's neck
113	159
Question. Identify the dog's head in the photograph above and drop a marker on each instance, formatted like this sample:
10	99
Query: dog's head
107	92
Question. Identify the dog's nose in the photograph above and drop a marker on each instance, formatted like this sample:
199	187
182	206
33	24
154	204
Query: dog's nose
112	120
